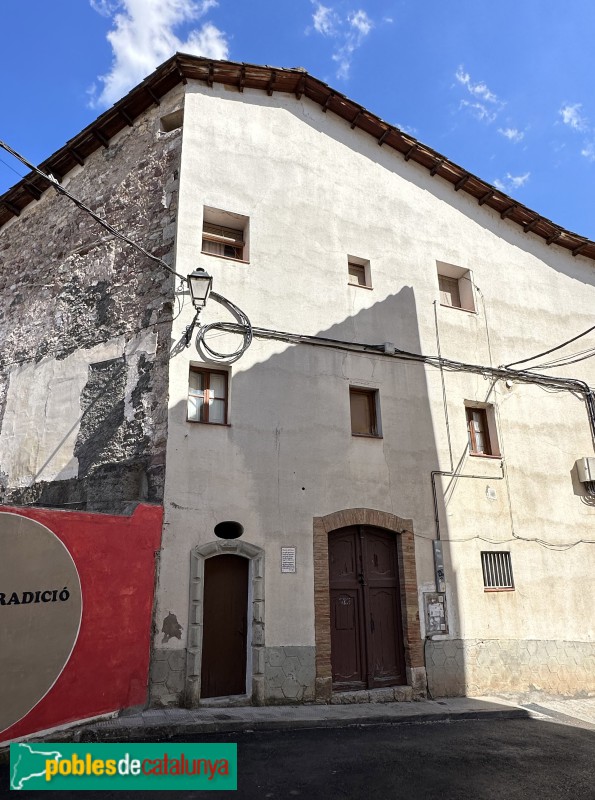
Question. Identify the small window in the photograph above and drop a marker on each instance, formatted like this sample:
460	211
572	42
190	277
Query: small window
497	571
455	286
477	426
220	241
358	272
481	430
364	412
224	234
173	121
207	396
449	291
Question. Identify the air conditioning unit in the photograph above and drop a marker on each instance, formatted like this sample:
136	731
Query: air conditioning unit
585	470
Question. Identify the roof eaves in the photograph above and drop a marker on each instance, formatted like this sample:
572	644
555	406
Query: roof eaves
183	67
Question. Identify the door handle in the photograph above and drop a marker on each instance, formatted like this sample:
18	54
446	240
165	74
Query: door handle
372	626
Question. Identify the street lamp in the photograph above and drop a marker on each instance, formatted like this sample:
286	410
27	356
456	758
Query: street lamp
199	282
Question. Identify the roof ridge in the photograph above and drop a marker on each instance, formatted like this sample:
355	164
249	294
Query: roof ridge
182	67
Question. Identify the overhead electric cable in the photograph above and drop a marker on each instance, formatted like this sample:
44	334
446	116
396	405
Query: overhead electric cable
16	172
552	349
61	190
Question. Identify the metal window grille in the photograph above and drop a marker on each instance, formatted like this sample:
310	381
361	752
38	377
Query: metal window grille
497	570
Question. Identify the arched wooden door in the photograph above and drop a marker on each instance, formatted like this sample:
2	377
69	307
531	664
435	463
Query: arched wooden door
366	631
225	626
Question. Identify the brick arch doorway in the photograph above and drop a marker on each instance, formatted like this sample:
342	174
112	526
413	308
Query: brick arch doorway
402	531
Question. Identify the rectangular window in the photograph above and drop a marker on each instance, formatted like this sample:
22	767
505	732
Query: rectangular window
364	412
497	570
449	291
477	426
225	234
220	241
455	286
207	396
358	272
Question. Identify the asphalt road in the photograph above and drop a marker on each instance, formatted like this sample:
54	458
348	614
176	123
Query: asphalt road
472	760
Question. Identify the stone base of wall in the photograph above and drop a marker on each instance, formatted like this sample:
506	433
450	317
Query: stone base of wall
289	675
167	677
458	667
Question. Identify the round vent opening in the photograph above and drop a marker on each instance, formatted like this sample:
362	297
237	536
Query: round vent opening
229	530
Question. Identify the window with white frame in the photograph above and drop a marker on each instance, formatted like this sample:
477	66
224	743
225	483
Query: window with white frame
208	396
455	287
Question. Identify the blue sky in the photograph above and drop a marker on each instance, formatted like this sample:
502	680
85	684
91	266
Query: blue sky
503	88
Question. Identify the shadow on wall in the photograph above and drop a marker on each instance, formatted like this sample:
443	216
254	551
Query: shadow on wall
294	458
111	451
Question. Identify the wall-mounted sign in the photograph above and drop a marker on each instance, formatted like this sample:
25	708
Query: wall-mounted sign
40	613
288	559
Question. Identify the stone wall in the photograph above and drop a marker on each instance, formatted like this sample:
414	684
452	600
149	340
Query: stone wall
71	292
458	667
289	674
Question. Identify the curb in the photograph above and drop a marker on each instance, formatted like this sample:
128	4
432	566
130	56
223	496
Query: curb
135	729
171	729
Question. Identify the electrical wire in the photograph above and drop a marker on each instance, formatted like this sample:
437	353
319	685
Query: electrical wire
242	326
552	349
581	355
6	164
61	190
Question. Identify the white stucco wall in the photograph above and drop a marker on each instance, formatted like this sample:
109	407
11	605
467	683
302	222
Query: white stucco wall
315	191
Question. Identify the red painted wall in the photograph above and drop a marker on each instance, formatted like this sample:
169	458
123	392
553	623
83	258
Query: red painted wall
108	668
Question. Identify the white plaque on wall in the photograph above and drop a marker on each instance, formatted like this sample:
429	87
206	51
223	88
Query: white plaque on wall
288	559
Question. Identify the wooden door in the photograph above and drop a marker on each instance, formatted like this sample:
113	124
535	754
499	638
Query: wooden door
366	632
225	626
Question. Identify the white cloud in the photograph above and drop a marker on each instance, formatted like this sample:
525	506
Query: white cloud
519	181
143	36
512	134
476	89
348	32
325	20
511	182
571	116
486	105
479	110
360	21
104	7
407	129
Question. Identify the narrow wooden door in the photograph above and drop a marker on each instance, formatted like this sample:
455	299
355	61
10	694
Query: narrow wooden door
366	632
225	626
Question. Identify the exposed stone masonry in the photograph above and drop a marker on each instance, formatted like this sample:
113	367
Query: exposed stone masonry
67	285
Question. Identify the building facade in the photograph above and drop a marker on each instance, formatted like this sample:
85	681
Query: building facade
368	498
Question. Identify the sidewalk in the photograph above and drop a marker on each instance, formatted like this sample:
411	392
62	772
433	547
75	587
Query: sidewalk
179	722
